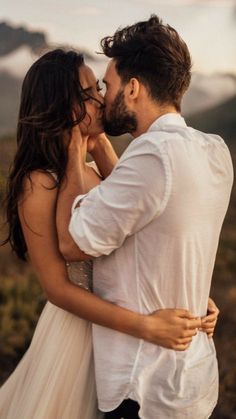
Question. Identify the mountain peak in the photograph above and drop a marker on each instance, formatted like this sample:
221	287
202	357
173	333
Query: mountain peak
12	38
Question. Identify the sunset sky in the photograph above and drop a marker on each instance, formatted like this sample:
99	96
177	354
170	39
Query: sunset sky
208	26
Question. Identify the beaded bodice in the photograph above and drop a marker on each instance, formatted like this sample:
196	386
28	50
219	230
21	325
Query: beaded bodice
80	273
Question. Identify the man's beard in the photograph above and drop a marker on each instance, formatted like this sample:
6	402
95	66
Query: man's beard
121	120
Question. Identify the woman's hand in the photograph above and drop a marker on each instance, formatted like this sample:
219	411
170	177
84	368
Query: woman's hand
103	153
77	142
171	328
210	320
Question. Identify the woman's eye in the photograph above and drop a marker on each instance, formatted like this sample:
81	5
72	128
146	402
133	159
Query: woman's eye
86	97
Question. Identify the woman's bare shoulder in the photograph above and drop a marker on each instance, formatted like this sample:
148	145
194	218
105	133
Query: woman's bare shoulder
38	180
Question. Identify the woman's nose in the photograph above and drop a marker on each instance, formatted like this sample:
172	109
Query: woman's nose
101	99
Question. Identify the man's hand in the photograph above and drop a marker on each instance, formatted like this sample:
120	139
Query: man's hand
210	320
171	328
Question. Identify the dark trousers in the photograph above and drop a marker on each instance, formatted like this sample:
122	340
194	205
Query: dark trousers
128	409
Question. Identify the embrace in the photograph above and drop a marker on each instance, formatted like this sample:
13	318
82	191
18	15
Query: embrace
124	249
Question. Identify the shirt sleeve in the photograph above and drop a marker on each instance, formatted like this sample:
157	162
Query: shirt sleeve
77	201
131	197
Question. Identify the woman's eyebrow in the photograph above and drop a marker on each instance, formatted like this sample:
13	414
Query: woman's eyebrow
87	89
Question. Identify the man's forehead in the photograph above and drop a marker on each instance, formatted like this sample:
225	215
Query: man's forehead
110	70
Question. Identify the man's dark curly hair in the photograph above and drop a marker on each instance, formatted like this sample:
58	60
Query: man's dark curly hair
155	54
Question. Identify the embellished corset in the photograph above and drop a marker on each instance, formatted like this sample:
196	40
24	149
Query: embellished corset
81	273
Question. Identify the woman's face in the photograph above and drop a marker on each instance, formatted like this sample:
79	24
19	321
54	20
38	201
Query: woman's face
92	123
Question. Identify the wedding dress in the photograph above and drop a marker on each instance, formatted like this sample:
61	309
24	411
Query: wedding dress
55	378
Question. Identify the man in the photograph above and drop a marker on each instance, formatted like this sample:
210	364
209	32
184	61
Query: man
154	223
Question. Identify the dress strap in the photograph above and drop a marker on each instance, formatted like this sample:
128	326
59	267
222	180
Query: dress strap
93	165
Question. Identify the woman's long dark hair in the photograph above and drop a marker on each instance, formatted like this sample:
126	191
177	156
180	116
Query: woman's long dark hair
50	90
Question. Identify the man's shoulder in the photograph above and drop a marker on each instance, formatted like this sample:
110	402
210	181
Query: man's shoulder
142	147
171	141
149	142
171	136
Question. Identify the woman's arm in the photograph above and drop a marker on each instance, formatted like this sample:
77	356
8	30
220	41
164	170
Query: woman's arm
73	184
105	157
37	210
103	154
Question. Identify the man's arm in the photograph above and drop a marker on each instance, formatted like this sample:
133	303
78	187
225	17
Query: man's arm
136	191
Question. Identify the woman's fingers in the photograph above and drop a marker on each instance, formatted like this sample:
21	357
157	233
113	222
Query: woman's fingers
212	307
208	326
210	320
182	346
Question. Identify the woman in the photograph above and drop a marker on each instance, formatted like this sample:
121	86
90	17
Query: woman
55	378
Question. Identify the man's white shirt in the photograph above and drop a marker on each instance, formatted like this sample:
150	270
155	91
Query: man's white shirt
153	226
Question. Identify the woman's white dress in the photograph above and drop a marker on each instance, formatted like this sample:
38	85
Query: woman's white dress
55	378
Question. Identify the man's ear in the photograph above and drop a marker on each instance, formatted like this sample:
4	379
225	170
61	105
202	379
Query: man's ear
133	89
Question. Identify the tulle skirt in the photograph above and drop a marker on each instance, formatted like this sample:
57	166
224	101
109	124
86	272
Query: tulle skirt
55	378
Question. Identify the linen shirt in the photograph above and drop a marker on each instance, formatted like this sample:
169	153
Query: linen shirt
153	226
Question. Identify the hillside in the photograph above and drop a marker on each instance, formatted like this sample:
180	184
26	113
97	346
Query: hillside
208	90
9	104
218	120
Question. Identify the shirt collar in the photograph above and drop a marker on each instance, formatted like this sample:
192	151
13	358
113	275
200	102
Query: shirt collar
174	119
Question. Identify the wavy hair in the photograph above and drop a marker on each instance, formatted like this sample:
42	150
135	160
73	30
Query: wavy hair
50	90
155	54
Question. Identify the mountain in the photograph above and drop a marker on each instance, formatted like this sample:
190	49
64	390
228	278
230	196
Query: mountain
207	91
12	38
20	47
218	120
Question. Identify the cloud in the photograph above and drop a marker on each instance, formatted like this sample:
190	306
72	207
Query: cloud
229	3
88	11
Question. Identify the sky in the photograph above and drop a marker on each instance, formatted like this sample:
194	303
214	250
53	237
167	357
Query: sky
207	26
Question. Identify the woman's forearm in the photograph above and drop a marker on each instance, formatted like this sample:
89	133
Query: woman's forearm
88	306
104	155
173	329
73	184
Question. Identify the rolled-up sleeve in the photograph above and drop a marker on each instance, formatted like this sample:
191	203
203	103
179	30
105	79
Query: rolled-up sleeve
136	191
